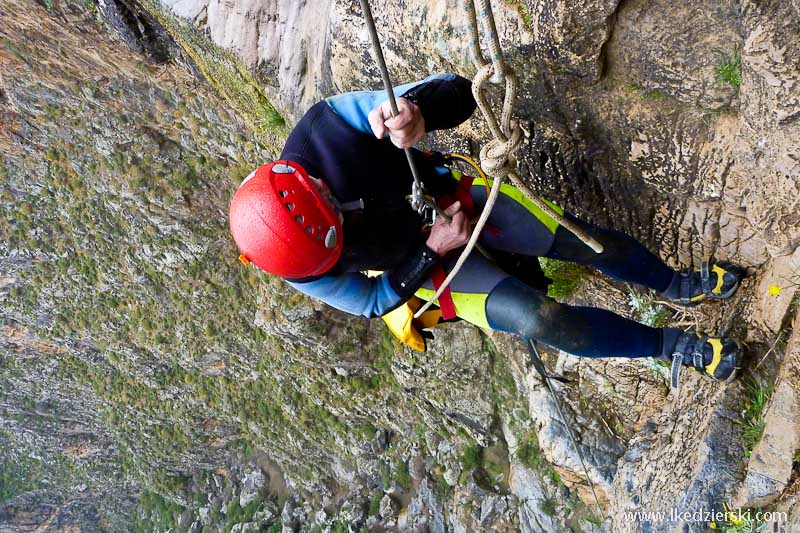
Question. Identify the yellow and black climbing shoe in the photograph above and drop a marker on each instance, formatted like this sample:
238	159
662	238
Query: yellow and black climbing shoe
717	281
717	357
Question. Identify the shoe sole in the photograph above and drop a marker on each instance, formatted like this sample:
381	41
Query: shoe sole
731	377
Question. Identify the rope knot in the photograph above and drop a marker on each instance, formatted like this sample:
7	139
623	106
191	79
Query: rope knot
497	155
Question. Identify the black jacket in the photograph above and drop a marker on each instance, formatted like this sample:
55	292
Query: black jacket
330	141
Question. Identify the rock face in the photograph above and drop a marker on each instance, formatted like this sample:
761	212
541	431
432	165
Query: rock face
686	458
109	202
158	383
670	49
662	107
771	465
599	449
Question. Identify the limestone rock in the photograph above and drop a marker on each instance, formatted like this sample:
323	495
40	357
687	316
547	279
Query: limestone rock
599	448
530	490
685	458
570	35
492	507
790	506
286	41
666	47
388	507
446	456
204	513
775	291
527	486
423	513
252	487
194	10
771	463
246	527
31	509
475	509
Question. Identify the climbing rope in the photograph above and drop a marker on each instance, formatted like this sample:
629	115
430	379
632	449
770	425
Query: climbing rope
497	156
538	364
498	160
420	202
468	160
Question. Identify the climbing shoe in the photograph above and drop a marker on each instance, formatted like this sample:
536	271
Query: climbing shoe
717	357
718	281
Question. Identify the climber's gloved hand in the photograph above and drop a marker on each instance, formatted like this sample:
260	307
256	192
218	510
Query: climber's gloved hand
405	130
446	236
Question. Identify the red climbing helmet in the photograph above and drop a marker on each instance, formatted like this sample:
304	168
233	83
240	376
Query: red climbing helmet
282	223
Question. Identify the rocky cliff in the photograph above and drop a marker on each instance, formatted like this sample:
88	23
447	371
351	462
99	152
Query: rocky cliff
149	381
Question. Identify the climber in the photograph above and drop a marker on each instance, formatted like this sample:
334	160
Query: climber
334	206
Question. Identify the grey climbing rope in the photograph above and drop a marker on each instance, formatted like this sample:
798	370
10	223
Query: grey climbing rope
539	366
419	201
497	156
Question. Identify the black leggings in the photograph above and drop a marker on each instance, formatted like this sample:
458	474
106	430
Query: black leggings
515	307
623	257
486	295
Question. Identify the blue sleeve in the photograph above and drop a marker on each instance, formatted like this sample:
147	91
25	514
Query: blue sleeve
355	107
353	293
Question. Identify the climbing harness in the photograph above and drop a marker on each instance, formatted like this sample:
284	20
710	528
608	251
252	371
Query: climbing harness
540	368
474	165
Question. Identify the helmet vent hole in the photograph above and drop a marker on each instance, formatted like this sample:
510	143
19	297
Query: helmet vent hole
299	219
290	206
283	194
309	230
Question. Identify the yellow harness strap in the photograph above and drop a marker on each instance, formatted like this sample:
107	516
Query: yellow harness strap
406	328
476	166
